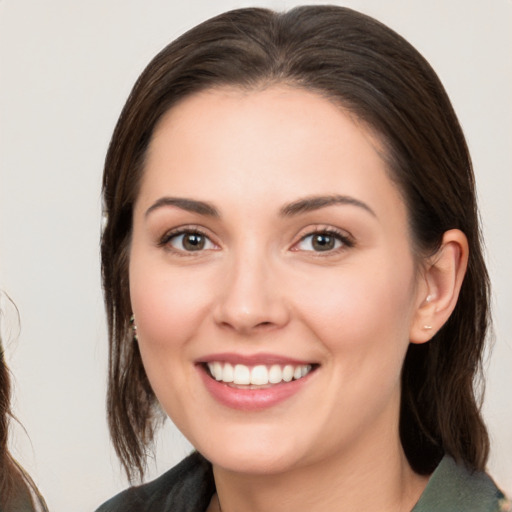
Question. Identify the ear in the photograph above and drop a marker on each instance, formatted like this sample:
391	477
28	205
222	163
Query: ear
439	286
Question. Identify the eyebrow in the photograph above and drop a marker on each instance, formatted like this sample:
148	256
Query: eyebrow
190	205
298	207
312	203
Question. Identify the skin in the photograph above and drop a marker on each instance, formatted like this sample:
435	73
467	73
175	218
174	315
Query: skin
259	286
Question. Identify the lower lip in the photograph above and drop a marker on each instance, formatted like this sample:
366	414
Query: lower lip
251	399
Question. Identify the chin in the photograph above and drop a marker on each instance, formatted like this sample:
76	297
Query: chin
254	462
258	453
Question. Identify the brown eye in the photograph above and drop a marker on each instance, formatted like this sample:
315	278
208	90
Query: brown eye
323	241
193	242
189	241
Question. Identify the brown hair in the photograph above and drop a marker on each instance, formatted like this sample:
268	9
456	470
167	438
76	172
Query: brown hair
17	490
379	77
8	473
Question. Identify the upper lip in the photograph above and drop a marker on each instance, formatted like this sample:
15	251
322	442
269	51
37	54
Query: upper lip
252	359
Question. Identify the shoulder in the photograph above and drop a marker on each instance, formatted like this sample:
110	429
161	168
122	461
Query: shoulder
186	487
453	487
23	498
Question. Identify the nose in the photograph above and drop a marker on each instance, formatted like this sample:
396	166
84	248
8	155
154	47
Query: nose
251	299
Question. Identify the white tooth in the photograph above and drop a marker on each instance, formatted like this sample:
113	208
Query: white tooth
227	373
305	370
259	375
297	373
275	374
216	369
288	373
242	374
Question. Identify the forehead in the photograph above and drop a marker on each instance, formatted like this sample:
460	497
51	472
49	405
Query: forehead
280	142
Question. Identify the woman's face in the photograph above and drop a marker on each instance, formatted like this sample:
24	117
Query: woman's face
269	244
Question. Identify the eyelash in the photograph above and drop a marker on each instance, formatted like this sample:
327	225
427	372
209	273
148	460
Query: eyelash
346	241
182	231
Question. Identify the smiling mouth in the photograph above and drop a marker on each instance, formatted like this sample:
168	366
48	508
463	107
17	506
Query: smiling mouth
258	376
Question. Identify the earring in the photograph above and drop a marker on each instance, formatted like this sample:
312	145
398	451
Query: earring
134	327
427	327
428	299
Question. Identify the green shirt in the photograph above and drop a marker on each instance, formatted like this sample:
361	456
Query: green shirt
189	486
452	488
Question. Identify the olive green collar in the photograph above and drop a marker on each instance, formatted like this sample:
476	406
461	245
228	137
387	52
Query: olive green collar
452	487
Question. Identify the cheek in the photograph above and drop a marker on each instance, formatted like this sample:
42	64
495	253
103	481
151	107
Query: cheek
169	307
167	304
361	309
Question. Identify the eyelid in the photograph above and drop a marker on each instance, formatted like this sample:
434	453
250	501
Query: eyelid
182	230
345	237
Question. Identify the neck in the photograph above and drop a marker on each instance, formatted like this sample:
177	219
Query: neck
380	478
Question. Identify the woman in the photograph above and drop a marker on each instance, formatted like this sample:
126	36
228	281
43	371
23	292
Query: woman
18	492
293	272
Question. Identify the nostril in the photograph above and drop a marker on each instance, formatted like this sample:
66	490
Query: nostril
264	324
256	327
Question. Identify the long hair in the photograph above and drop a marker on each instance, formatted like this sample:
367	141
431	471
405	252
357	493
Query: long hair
380	78
16	487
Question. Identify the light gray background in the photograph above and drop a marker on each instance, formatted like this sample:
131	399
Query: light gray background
66	69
